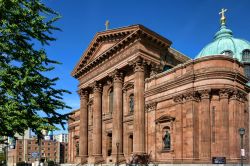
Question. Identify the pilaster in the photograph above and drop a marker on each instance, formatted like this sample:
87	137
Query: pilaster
178	100
223	123
204	126
190	126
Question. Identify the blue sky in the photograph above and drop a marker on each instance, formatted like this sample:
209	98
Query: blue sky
189	24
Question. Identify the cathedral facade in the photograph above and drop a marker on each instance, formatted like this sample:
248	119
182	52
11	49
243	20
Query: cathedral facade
138	95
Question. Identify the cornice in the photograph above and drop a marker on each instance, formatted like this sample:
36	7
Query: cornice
195	77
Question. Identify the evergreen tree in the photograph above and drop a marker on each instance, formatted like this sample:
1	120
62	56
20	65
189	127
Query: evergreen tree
26	93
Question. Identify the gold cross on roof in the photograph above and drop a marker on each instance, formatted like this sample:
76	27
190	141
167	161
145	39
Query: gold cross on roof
223	18
107	24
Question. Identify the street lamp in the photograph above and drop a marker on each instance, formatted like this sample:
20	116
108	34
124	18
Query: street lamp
242	151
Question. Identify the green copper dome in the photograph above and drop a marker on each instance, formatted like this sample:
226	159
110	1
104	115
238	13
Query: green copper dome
225	44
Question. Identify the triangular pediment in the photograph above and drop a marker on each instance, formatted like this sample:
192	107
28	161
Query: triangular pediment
102	48
106	43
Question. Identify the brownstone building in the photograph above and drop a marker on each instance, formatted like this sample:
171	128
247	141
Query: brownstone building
140	96
50	151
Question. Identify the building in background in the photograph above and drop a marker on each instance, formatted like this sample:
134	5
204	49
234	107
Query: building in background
63	137
28	150
140	96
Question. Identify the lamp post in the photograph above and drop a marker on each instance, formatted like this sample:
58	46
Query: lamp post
117	147
242	151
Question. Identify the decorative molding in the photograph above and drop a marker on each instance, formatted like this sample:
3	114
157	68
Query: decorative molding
155	69
128	85
178	99
117	76
97	87
224	93
138	64
83	93
204	94
151	107
164	118
191	96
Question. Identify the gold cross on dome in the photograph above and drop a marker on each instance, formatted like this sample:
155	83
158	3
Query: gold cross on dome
223	18
107	24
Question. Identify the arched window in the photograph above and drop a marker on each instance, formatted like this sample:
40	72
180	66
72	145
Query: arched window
246	55
166	138
131	103
111	100
227	53
247	71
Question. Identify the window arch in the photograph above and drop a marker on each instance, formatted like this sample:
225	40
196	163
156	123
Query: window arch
131	103
246	55
166	138
111	98
227	52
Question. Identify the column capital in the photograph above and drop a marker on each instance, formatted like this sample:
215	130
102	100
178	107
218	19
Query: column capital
97	87
117	76
151	106
205	94
83	93
224	93
191	96
178	99
138	64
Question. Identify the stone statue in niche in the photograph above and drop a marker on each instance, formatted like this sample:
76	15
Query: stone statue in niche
166	140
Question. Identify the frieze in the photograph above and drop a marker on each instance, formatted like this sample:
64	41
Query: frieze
151	107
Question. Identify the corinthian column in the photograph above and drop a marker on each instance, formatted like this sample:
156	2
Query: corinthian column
139	113
83	147
117	139
97	124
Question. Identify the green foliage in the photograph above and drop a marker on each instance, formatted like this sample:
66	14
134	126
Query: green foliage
26	27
